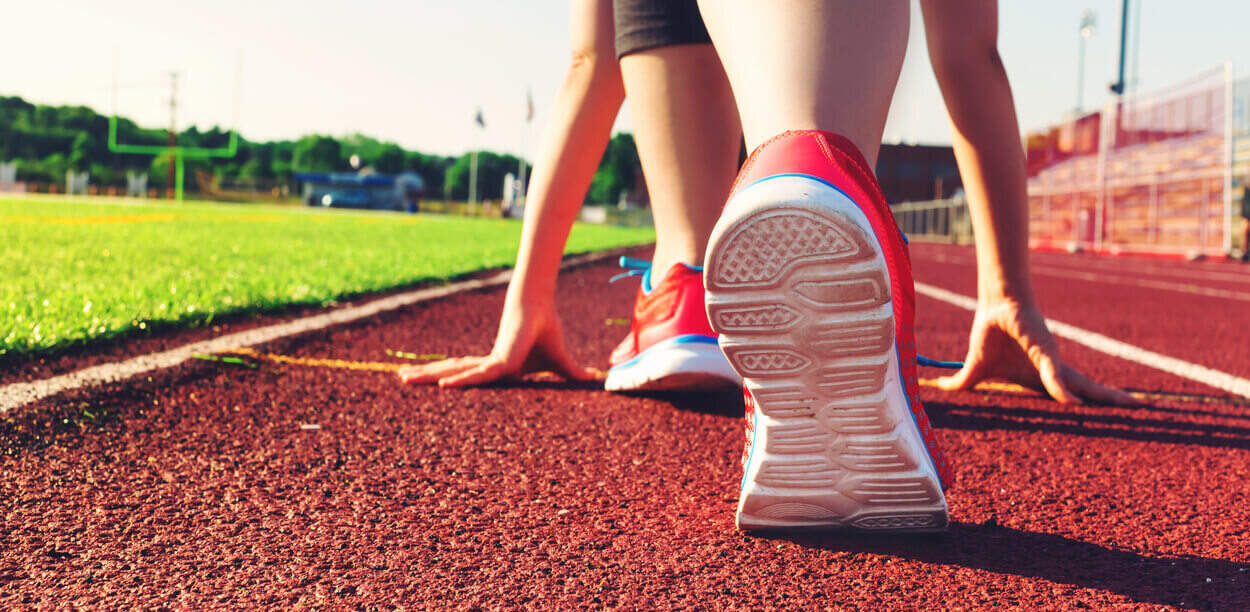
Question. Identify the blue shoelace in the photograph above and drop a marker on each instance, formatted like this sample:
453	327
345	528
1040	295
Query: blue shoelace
633	267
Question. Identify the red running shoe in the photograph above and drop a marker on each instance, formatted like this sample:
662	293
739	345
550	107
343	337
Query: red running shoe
809	286
670	346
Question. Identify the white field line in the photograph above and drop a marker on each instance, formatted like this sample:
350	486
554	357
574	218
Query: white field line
16	395
1110	346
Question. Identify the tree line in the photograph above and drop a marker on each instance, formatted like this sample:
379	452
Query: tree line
47	141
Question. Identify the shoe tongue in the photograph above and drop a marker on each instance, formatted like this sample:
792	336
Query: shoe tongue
646	277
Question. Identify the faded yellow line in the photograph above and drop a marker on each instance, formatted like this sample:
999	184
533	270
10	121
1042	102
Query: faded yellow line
251	218
91	220
984	386
373	366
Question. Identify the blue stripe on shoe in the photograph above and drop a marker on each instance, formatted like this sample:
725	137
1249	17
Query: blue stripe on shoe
806	176
898	362
755	432
676	340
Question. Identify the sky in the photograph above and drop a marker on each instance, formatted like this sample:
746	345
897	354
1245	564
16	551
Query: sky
414	72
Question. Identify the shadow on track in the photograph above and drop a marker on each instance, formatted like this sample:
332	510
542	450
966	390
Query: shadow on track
969	417
716	403
720	403
1180	581
1231	401
544	384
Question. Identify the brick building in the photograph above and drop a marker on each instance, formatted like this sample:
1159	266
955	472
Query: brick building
917	173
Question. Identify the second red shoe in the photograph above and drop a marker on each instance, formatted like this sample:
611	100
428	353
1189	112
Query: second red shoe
670	346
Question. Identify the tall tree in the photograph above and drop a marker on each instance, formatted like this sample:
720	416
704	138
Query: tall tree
318	154
618	170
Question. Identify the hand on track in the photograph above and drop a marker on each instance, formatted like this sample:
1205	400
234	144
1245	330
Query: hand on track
1010	341
530	339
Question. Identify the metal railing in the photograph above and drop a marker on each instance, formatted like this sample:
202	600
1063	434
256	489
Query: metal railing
936	221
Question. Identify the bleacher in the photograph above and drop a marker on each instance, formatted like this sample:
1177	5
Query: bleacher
1154	179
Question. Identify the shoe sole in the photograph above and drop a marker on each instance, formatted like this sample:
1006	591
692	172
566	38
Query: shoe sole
675	365
799	292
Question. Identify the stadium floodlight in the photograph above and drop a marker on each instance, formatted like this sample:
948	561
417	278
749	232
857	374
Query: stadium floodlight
178	154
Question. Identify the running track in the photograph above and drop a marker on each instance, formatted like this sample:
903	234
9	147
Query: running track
210	484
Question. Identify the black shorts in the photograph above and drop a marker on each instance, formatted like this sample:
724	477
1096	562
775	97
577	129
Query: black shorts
647	24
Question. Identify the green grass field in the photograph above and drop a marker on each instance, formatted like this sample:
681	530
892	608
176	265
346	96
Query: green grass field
73	271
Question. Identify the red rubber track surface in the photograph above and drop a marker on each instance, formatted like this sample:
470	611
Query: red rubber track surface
196	486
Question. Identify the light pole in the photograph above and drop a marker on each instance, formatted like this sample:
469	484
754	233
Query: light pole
1089	21
480	122
1117	87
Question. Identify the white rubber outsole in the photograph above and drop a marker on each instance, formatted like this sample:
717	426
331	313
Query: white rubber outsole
675	366
799	292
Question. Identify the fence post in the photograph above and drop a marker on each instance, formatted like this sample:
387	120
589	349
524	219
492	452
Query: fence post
1046	217
1204	231
1110	119
1154	207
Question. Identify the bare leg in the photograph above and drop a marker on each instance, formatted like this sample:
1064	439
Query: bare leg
806	252
963	49
810	64
687	133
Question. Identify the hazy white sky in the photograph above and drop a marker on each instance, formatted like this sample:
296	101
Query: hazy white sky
413	72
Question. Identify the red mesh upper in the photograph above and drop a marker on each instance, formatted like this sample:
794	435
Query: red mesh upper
673	308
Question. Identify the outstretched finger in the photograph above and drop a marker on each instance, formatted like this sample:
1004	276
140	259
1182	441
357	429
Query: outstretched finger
486	372
1048	370
564	365
1096	392
432	372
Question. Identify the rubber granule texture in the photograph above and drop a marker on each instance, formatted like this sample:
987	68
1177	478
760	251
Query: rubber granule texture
225	486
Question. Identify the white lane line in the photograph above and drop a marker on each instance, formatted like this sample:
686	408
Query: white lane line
1103	344
1121	267
1187	270
1112	279
1105	278
16	395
